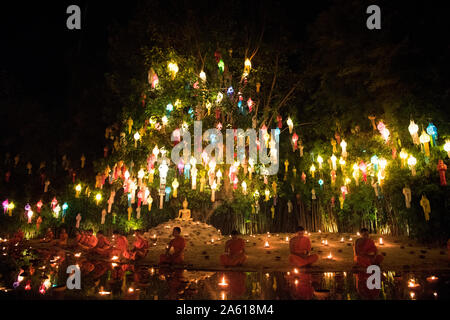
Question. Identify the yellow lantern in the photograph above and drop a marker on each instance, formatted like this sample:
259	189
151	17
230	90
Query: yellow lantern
244	187
342	163
77	190
173	69
175	186
344	148
425	139
98	198
403	157
267	194
312	170
164	120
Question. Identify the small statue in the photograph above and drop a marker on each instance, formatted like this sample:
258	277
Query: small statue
185	213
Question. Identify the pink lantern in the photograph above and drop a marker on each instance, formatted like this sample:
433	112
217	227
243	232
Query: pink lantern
363	168
294	140
344	191
280	123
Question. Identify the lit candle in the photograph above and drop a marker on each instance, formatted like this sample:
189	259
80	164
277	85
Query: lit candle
381	242
223	283
432	279
330	256
342	239
266	244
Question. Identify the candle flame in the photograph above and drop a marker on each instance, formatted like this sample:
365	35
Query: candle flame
223	282
266	244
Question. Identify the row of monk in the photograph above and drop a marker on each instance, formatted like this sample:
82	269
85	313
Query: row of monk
118	248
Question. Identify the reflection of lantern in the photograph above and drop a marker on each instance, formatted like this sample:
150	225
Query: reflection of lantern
425	139
413	129
411	163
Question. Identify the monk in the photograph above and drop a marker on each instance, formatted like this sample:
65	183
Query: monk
78	237
103	246
90	242
63	237
48	236
178	244
366	251
300	247
234	251
140	246
120	246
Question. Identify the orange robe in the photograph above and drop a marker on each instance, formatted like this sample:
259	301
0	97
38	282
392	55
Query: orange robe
103	245
298	246
366	253
120	248
48	237
140	247
18	237
177	257
63	239
236	255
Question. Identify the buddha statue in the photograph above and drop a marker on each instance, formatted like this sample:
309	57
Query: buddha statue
185	213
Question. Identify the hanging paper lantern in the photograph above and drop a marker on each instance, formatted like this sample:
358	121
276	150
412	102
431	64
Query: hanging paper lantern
175	186
294	141
432	131
230	91
320	161
343	145
447	147
442	167
250	104
221	65
374	161
333	161
168	190
5	205
403	157
203	76
173	69
413	129
247	67
425	139
363	168
412	163
312	170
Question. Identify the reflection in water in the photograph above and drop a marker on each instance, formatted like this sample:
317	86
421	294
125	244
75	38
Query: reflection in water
41	274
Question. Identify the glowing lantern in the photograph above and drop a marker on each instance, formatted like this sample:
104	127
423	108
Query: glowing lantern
203	76
221	65
77	190
137	136
403	157
343	145
363	168
312	170
163	169
175	186
447	147
219	97
164	120
342	163
173	69
168	190
5	205
98	198
411	163
213	191
333	161
320	161
247	67
290	124
413	129
230	91
356	173
244	187
267	194
11	207
432	131
30	215
56	210
250	104
294	141
425	139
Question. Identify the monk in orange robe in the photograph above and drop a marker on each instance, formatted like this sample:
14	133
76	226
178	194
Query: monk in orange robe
366	251
48	236
234	251
140	246
120	246
62	241
90	242
103	246
300	247
178	244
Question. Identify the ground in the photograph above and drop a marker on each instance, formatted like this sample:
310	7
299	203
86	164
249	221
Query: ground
203	254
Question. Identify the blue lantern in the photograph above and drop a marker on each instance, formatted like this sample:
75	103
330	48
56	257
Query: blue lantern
230	91
168	190
129	200
432	131
374	161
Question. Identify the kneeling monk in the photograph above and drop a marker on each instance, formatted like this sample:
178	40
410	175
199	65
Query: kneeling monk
234	251
103	246
300	246
366	251
178	244
140	246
